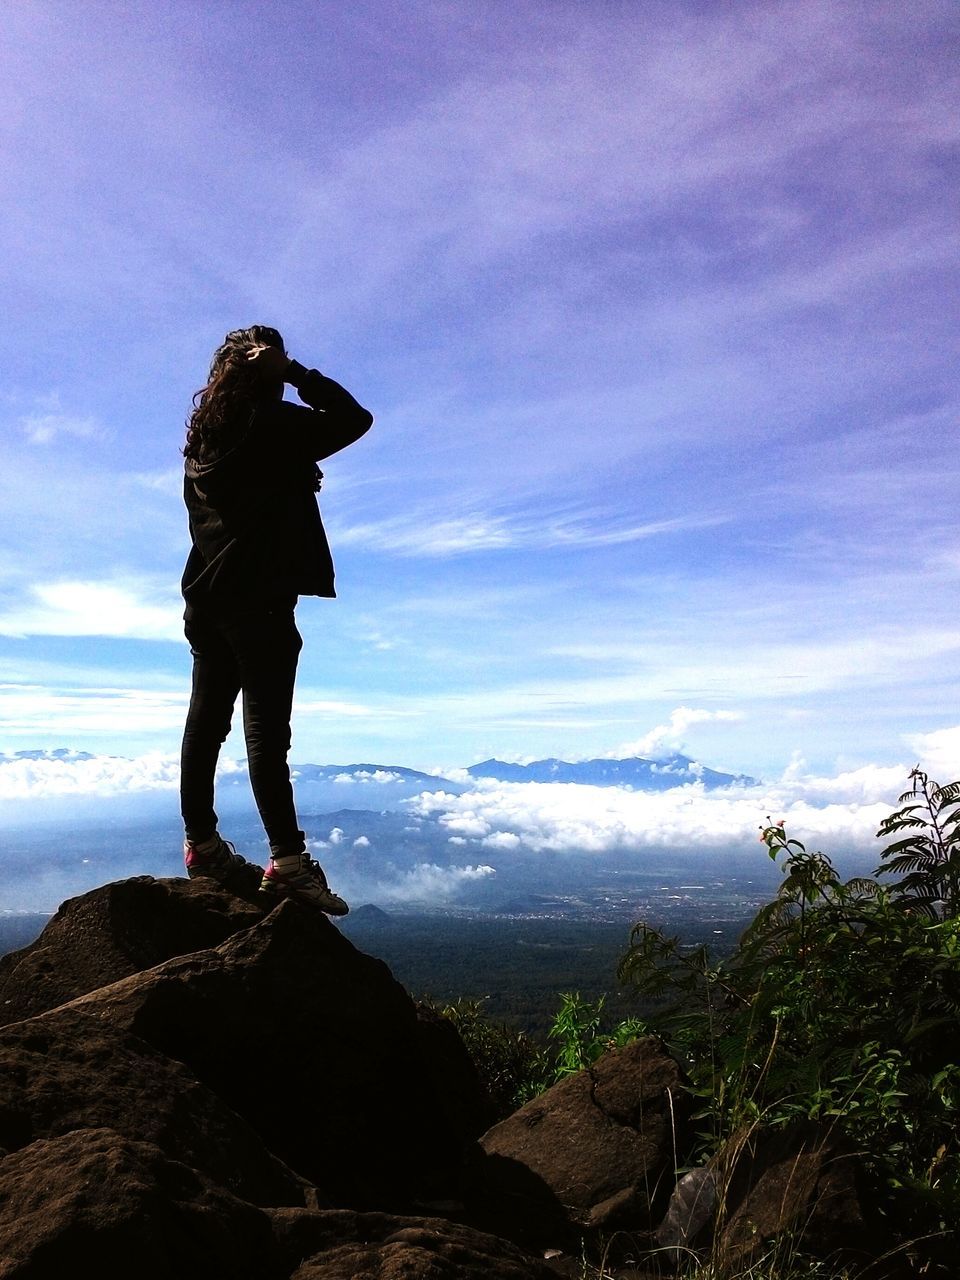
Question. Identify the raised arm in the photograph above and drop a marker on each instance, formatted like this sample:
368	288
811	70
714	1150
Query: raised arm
345	420
337	418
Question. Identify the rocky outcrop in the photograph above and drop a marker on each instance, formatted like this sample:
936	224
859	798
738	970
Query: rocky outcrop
192	1087
117	930
67	1071
799	1184
374	1246
187	1085
801	1180
598	1149
93	1202
315	1045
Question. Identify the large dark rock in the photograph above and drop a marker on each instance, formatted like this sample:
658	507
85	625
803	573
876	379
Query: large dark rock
93	1202
318	1047
376	1246
96	1203
597	1149
66	1070
800	1183
455	1078
117	930
797	1186
180	1073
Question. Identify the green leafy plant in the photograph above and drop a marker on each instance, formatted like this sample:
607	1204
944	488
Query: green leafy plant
928	859
577	1029
841	1004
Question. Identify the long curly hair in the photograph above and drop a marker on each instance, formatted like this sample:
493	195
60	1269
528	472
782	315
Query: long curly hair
222	409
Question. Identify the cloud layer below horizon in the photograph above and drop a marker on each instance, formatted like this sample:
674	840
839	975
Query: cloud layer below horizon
840	812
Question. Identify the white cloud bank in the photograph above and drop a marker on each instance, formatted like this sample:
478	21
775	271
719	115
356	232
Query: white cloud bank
367	777
427	882
27	779
838	814
23	778
938	752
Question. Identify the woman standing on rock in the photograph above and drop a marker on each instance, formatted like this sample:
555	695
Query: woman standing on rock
257	545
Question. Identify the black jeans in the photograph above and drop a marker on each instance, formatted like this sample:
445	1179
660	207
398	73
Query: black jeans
255	653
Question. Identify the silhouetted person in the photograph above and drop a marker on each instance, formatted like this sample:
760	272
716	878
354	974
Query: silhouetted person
257	545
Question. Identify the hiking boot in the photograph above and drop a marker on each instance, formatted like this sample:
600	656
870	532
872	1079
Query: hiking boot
212	859
301	877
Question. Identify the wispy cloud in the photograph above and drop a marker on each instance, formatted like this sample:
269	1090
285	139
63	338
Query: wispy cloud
46	428
121	609
37	714
82	517
420	533
486	167
309	703
756	666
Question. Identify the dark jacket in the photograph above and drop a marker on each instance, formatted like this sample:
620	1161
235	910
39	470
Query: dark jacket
257	538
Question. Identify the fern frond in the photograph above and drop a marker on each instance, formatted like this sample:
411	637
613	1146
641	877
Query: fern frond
906	862
901	825
865	886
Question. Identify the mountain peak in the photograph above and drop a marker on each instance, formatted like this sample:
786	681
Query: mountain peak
634	771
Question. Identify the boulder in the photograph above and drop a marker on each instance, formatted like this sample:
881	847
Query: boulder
373	1246
798	1186
117	930
96	1203
317	1047
180	1072
598	1144
800	1183
93	1202
66	1070
453	1073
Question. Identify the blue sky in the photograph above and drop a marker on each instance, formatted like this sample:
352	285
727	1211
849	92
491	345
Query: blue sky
655	306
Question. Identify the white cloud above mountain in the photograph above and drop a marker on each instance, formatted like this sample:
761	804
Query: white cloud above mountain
670	736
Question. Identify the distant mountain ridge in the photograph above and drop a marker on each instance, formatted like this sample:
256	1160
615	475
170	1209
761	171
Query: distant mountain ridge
58	753
638	772
635	771
359	772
